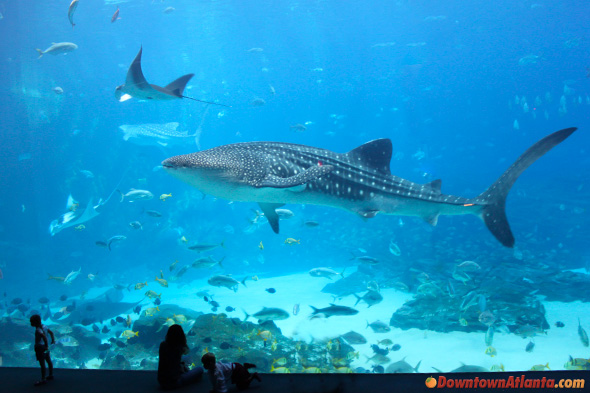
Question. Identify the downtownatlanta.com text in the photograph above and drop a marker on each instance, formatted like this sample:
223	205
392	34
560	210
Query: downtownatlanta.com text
510	382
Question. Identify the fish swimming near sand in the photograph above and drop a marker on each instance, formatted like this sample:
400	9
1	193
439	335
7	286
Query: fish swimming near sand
157	134
360	181
136	86
58	48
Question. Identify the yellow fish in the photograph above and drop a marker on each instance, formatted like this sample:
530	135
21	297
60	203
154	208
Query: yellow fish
352	355
80	227
56	278
344	370
163	197
491	351
290	241
179	318
279	370
152	294
184	239
162	282
140	285
265	334
311	370
150	312
254	278
129	334
261	246
280	361
540	367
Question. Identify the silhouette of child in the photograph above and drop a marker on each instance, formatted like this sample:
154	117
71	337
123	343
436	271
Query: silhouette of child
42	347
220	373
172	371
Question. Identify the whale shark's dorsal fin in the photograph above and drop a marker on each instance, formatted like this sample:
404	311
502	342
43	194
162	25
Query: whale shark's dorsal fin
376	154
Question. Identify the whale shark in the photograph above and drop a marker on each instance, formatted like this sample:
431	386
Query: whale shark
136	86
360	181
157	134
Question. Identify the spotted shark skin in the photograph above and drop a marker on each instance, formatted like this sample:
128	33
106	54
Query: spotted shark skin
360	181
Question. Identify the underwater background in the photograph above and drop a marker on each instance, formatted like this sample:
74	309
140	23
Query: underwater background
461	89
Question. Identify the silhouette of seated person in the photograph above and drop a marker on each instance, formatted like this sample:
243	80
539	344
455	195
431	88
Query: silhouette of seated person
172	369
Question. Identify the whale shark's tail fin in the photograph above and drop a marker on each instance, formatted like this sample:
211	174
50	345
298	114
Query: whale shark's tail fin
494	198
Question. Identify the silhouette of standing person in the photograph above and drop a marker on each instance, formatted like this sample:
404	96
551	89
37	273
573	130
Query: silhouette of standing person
42	347
172	371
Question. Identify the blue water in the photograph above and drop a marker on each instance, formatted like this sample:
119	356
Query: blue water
437	78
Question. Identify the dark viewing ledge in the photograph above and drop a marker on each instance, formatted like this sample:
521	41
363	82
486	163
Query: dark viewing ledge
16	379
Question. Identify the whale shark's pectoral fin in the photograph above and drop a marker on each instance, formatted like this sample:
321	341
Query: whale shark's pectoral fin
366	213
271	215
294	182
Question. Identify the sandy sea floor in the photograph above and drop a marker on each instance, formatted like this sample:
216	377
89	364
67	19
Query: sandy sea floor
444	351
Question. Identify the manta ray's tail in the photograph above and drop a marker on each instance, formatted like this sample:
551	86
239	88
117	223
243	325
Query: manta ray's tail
494	198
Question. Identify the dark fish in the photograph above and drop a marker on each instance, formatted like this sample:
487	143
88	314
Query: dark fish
44	300
396	347
157	302
153	213
207	340
63	298
105	329
214	309
224	345
104	347
23	307
102	355
583	335
16	300
530	346
191	333
120	344
205	298
270	290
311	224
378	369
559	324
113	20
120	319
230	309
87	321
71	307
113	322
353	338
378	350
137	309
95	328
102	244
214	303
58	315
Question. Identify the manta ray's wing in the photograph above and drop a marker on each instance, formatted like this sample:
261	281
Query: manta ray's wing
135	78
176	87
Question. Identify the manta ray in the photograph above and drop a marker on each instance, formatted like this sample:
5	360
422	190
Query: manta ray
360	181
136	86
